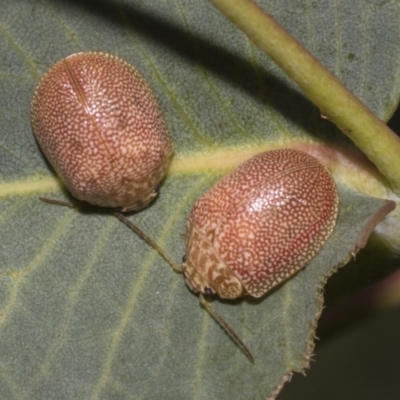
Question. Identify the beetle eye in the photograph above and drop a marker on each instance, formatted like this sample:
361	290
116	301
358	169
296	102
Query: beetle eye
156	189
184	259
208	291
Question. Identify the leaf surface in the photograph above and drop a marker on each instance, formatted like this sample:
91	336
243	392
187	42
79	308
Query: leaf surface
87	309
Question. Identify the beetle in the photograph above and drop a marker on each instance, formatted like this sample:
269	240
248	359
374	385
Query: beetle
256	227
259	225
100	126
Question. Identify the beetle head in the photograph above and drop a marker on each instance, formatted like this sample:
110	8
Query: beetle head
212	278
195	281
142	203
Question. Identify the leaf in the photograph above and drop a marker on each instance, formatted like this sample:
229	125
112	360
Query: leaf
88	309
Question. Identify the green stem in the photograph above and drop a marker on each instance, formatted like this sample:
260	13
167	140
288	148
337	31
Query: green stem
334	100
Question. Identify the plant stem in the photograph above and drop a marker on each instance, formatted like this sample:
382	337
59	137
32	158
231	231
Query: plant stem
334	100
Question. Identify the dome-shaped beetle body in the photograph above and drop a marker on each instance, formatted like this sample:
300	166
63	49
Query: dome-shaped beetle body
259	225
100	126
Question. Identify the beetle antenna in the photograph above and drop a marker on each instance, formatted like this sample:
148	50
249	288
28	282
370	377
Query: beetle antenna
148	240
58	202
226	327
131	225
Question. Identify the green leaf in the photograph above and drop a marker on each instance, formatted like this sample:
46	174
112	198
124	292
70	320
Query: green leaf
87	309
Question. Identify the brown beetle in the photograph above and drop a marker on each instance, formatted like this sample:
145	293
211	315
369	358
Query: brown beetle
100	126
260	224
257	227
